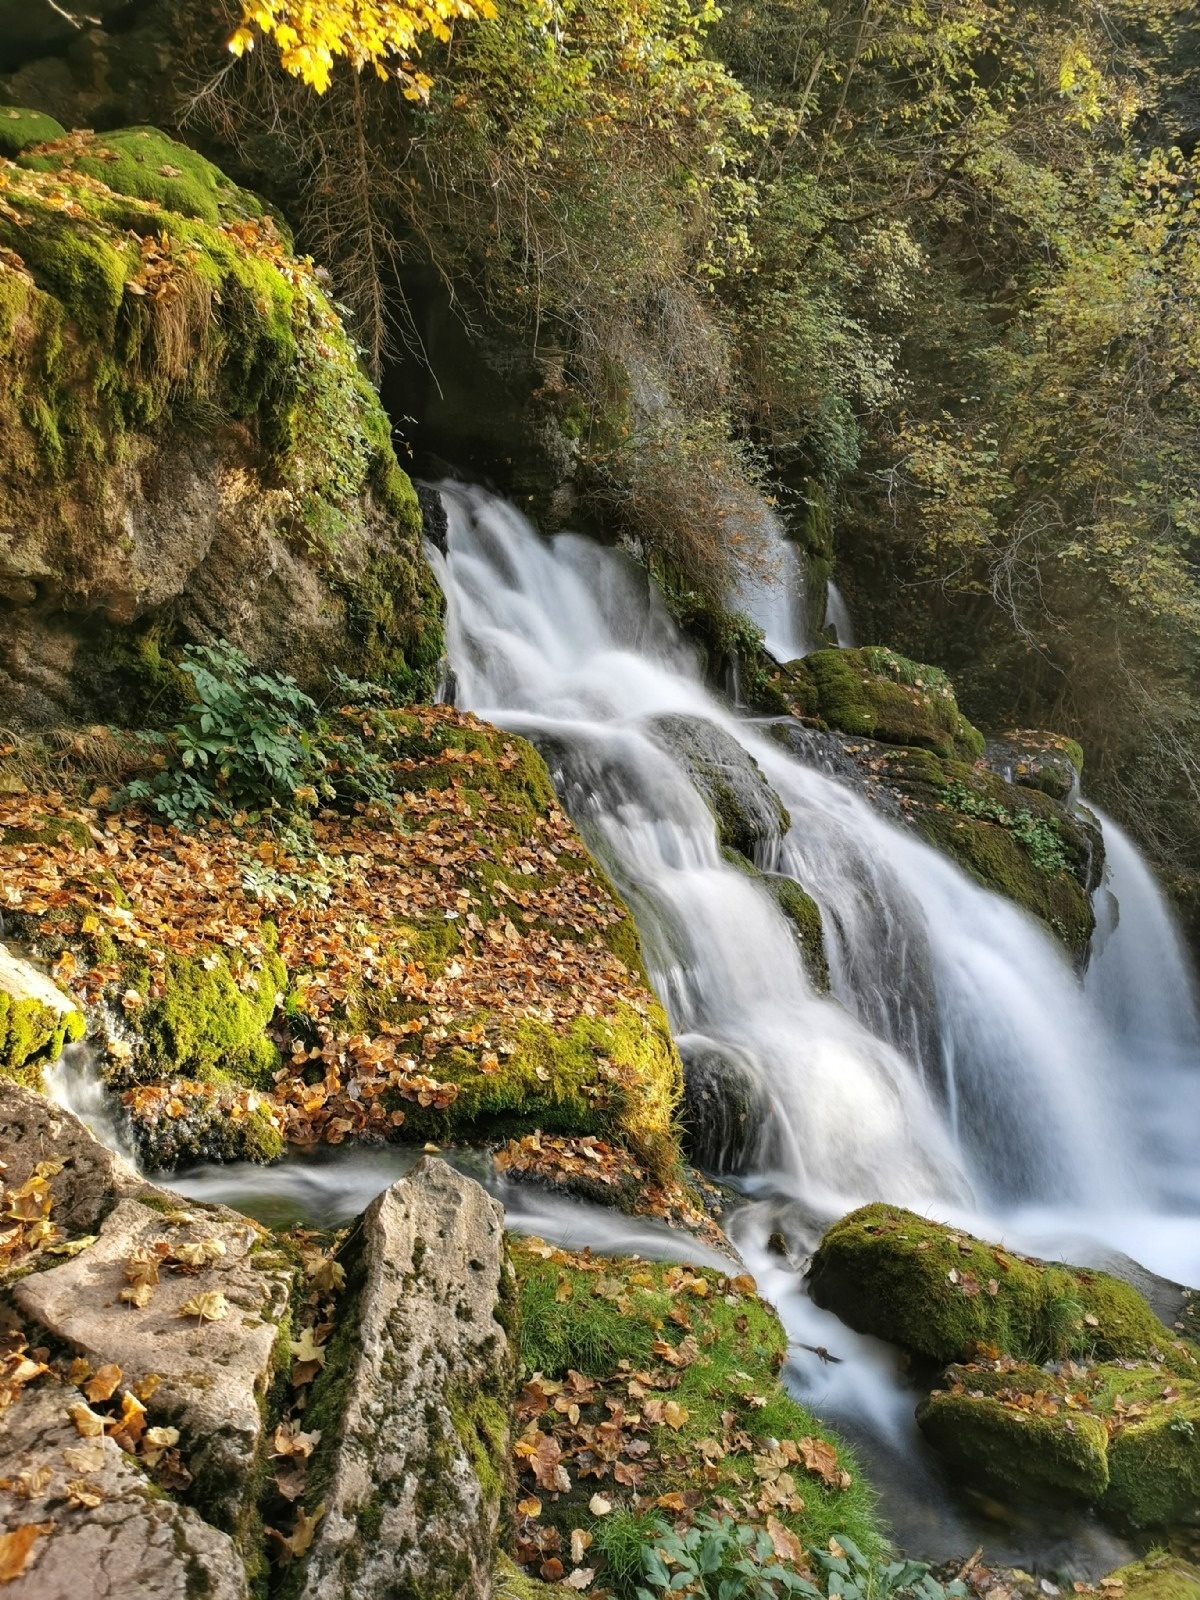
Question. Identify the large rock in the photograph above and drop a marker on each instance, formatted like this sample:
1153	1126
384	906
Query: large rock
199	457
133	1541
941	1293
413	1394
36	1019
213	1375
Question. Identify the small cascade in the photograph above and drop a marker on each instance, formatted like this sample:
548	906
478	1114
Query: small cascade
837	617
772	589
75	1083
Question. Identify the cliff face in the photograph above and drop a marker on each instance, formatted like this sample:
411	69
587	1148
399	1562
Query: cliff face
189	448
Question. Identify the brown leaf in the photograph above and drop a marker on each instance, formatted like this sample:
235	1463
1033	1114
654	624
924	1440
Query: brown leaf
15	1548
105	1383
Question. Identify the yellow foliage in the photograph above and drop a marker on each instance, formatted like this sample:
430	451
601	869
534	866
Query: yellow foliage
384	34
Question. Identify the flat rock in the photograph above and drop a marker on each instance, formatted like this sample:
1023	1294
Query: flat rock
212	1375
134	1542
424	1369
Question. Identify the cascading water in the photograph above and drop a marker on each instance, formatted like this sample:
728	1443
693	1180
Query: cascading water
958	1066
772	590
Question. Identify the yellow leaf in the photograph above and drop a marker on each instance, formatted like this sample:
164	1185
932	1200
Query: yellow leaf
88	1424
15	1548
209	1307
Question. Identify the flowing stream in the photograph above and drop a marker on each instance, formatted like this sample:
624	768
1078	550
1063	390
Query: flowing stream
958	1065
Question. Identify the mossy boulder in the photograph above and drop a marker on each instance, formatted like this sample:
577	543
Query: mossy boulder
209	1019
1159	1576
877	694
20	128
942	1293
36	1020
1035	1450
188	447
1032	759
1122	1435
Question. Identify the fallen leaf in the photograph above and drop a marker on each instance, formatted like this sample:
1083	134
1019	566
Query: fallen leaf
599	1506
211	1306
15	1548
105	1383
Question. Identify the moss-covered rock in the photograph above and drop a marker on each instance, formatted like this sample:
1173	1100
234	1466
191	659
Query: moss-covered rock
1159	1576
749	814
1009	1427
209	1022
186	438
36	1020
20	128
802	912
875	693
941	1293
1124	1435
1036	760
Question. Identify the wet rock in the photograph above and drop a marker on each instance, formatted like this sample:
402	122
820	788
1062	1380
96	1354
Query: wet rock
213	1374
750	816
36	1019
91	1180
725	1110
413	1393
133	1541
1035	760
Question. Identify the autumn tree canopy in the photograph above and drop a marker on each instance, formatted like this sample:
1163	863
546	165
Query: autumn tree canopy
385	34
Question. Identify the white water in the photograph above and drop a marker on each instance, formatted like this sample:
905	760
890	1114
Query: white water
74	1083
772	589
959	1066
837	616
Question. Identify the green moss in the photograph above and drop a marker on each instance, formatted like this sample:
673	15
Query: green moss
1159	1576
210	1022
942	1293
616	1076
510	1583
32	1035
880	695
20	128
1017	842
1154	1461
481	1422
149	165
603	1318
1063	1455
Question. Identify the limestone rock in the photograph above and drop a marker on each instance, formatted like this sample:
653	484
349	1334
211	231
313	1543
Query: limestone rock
212	1374
92	1178
413	1391
135	1541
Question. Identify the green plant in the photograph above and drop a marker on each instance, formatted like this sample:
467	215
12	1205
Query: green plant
244	746
721	1559
1038	835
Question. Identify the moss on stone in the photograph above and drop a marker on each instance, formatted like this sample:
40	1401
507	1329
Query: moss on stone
147	164
481	1422
20	128
1064	1455
141	292
875	693
1153	1460
1159	1576
617	1077
32	1035
942	1293
510	1583
1018	842
210	1023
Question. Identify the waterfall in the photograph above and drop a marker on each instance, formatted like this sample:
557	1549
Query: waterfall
837	616
772	588
958	1061
958	1064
